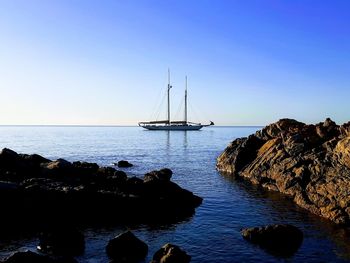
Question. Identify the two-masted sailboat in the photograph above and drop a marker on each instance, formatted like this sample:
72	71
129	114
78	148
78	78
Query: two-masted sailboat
183	125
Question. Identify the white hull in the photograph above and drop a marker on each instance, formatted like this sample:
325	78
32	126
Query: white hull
173	127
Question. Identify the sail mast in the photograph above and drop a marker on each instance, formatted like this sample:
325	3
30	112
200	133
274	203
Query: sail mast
169	87
186	102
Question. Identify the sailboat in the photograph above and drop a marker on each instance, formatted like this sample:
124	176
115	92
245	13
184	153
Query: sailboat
183	125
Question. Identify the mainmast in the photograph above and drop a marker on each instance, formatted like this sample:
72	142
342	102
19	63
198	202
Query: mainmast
169	87
186	101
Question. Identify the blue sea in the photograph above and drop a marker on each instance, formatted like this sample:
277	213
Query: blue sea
212	234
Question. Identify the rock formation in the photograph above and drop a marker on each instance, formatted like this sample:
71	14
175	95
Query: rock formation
171	254
124	164
126	247
310	163
44	191
279	240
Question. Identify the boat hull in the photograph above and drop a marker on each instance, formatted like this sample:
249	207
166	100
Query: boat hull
173	127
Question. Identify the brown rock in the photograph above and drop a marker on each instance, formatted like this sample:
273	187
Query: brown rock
283	240
311	163
171	254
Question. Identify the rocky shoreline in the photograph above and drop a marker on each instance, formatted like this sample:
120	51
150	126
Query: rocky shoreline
51	199
310	163
47	192
62	247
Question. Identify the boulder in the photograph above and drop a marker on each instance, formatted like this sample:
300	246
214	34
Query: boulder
171	254
106	171
75	191
124	164
120	176
59	164
64	241
8	157
309	163
58	168
126	247
16	167
281	240
34	159
85	168
161	175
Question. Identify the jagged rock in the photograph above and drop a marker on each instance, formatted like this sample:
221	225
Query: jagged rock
8	157
342	151
34	159
281	240
124	164
310	163
126	247
59	164
171	254
81	190
63	241
161	175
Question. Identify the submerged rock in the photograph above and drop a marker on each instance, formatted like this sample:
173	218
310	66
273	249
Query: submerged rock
124	164
171	254
310	163
126	247
280	240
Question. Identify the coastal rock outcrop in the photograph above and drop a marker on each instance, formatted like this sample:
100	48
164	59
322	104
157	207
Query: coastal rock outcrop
126	247
59	191
281	240
310	163
170	253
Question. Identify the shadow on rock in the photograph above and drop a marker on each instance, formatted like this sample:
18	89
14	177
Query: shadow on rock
278	240
49	192
126	248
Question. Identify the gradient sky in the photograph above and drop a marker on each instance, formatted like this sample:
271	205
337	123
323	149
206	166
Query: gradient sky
105	62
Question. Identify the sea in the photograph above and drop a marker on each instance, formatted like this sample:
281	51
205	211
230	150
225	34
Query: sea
212	234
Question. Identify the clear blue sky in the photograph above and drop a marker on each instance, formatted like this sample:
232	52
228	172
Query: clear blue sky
105	62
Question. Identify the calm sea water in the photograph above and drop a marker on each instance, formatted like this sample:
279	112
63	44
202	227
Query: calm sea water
213	233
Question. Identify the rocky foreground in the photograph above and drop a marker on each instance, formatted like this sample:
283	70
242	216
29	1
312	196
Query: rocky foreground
124	248
37	191
310	163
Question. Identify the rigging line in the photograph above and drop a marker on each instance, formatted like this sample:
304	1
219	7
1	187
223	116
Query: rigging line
157	104
194	112
179	109
202	113
158	101
160	107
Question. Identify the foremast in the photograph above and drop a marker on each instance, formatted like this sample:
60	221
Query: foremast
169	87
186	100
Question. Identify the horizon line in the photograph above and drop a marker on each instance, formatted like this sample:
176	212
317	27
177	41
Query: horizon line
103	125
